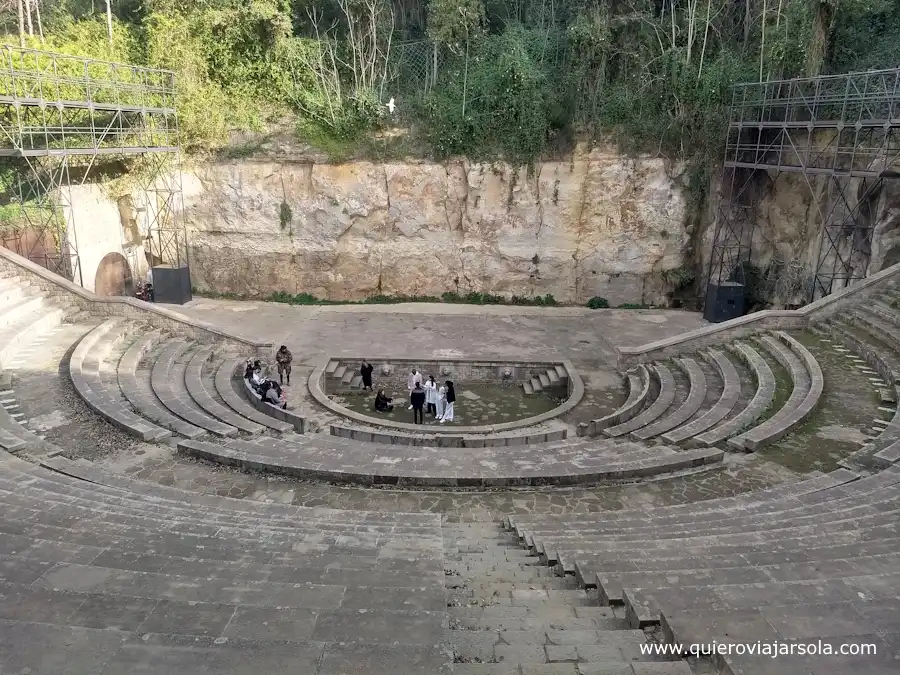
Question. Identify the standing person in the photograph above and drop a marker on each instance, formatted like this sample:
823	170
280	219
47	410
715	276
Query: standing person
440	402
284	357
451	399
431	396
366	371
418	402
414	377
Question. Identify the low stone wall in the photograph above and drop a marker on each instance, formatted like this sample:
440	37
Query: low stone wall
743	326
68	293
575	394
448	440
443	370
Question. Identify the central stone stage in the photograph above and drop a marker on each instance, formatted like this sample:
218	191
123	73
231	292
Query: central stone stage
502	395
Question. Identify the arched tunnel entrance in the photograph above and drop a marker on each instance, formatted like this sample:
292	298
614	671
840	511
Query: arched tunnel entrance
113	276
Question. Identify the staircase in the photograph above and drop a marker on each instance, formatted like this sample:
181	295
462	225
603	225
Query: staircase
510	615
553	377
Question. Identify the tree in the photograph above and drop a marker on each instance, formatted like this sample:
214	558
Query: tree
109	21
21	9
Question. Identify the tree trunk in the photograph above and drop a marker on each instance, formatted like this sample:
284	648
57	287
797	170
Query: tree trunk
21	23
818	43
109	21
28	17
37	15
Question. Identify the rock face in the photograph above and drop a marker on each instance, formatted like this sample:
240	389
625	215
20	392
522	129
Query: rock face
599	224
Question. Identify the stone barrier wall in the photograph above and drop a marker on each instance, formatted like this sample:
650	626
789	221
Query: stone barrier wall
727	331
69	294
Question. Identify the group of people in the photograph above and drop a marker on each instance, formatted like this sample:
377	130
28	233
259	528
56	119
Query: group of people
269	391
428	396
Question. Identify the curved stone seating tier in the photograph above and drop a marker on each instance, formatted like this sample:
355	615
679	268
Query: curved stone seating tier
448	441
687	409
663	392
761	501
329	459
576	538
762	398
21	322
807	383
168	382
702	569
140	394
884	449
639	394
84	370
297	422
101	579
229	376
886	331
731	392
193	379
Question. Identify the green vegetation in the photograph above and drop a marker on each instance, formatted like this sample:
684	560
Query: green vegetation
472	298
597	303
517	79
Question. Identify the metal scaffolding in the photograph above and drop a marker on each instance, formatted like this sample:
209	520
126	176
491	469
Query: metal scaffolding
844	127
63	121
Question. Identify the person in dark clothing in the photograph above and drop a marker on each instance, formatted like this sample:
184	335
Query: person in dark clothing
366	371
283	358
248	371
271	394
451	399
417	398
383	403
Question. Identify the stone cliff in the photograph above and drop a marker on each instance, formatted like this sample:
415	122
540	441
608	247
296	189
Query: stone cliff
599	224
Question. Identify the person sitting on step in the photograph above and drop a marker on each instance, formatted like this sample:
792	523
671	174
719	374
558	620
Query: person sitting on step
383	402
256	377
272	394
283	357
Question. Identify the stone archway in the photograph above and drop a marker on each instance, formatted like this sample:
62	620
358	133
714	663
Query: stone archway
113	276
892	257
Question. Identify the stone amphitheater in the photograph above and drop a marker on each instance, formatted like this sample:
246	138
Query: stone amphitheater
701	491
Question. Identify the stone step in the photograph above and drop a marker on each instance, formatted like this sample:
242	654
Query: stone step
356	382
553	376
544	380
526	386
655	410
561	371
332	367
547	647
461	619
536	384
688	407
338	373
762	398
347	377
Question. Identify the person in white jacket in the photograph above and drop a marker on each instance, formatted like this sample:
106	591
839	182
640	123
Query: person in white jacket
431	396
414	377
440	402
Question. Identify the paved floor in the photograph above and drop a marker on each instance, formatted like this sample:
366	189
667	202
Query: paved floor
582	335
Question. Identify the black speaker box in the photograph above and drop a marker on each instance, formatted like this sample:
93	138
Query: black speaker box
724	301
172	285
